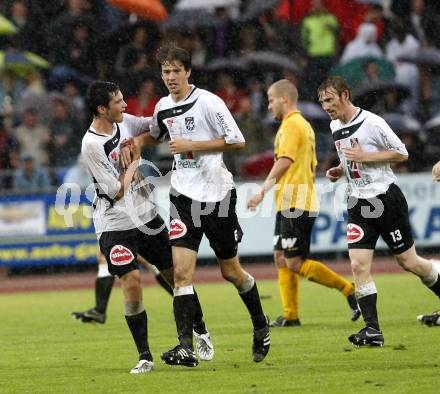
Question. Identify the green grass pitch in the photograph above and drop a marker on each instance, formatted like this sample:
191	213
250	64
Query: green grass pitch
43	350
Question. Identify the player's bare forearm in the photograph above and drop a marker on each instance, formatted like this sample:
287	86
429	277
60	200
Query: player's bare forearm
277	171
126	178
180	145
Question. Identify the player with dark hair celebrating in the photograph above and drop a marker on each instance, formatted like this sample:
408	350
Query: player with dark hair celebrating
126	221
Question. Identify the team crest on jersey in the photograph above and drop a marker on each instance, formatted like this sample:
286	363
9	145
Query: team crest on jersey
177	229
354	233
121	255
189	123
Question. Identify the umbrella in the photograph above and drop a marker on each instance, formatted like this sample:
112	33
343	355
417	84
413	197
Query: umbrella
353	70
227	64
272	60
6	27
189	19
433	123
402	123
256	8
424	56
312	111
21	62
210	4
369	94
148	9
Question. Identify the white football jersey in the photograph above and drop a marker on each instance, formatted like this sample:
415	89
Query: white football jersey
201	116
101	155
372	133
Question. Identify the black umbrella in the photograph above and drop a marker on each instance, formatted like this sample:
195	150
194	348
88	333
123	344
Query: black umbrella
189	19
256	8
272	61
227	64
312	111
424	56
370	93
401	123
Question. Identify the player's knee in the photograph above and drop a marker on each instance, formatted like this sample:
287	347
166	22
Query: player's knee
278	258
181	274
294	263
358	266
406	263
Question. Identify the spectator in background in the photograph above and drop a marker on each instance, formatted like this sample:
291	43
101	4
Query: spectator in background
365	44
78	174
132	60
144	102
60	29
78	53
319	37
9	156
224	34
30	176
33	137
28	18
11	88
65	132
258	140
368	13
404	43
34	95
229	92
77	102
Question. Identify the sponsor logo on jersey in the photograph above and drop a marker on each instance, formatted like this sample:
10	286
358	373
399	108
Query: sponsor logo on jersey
177	229
189	123
121	255
222	122
354	233
187	163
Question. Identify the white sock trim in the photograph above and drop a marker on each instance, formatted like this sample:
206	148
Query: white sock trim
103	271
366	290
432	278
247	285
184	290
133	307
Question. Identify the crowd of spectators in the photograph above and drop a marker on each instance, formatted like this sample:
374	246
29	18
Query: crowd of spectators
374	44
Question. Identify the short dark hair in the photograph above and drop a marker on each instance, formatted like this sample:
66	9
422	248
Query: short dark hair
171	52
100	93
337	83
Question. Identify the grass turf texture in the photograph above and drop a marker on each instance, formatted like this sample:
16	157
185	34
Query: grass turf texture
43	350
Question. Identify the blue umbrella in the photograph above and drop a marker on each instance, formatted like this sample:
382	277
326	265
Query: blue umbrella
21	61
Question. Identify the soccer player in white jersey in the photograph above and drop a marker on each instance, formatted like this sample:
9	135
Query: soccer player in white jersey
432	319
202	196
125	220
366	146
